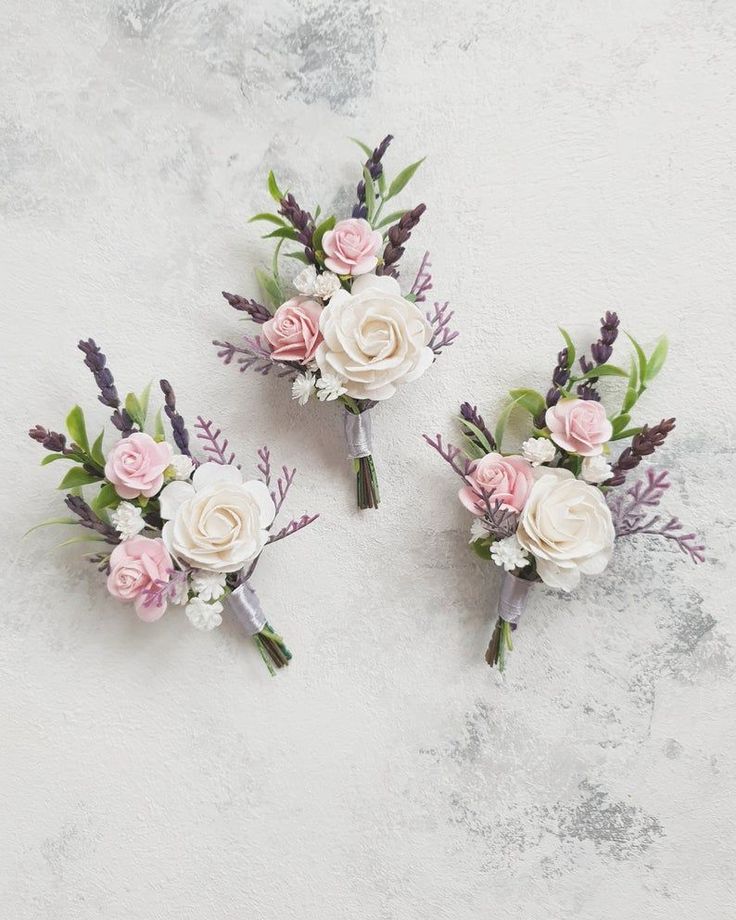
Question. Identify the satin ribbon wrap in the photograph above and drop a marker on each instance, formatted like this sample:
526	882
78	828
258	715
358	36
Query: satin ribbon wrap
243	603
513	597
358	430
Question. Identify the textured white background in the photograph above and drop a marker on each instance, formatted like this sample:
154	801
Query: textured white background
580	157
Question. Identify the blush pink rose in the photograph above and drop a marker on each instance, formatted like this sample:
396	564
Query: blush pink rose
579	426
136	565
135	466
352	247
508	480
293	333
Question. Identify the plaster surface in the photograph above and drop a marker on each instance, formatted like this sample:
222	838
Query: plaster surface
579	158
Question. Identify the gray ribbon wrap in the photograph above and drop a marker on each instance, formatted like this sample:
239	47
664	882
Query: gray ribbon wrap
358	430
243	603
513	597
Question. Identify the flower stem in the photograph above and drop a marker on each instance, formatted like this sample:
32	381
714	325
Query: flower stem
365	471
500	643
272	648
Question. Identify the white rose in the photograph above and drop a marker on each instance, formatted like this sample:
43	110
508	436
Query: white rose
566	525
217	522
373	338
595	469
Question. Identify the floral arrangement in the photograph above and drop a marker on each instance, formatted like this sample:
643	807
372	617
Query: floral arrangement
174	529
553	512
347	334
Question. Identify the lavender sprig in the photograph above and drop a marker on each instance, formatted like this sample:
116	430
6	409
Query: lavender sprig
301	221
601	351
470	414
215	446
253	355
97	363
450	454
560	376
398	235
375	168
88	519
53	441
423	281
181	435
642	445
442	335
257	312
293	527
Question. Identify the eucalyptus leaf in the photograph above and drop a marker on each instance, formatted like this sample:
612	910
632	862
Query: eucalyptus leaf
273	189
78	477
77	429
570	347
657	358
403	178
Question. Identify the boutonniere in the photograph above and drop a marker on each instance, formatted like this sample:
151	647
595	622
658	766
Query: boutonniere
552	511
344	329
171	529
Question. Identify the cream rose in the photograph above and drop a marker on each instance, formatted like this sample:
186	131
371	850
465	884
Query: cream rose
217	522
566	525
374	338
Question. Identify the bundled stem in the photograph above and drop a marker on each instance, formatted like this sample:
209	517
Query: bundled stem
367	481
272	648
500	643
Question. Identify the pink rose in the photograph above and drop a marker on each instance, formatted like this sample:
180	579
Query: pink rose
579	426
135	466
352	247
135	566
293	333
508	480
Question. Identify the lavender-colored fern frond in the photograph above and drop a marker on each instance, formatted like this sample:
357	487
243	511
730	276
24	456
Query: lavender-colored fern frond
442	335
264	464
501	522
283	484
253	355
293	527
423	281
214	444
159	591
450	454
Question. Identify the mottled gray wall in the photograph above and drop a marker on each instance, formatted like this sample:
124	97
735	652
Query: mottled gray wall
580	157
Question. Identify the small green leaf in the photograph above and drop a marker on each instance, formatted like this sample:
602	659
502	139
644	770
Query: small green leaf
620	422
283	233
61	520
143	399
570	347
473	450
502	421
481	548
476	432
530	400
391	219
106	497
271	218
632	390
50	458
77	477
403	178
627	433
159	433
88	538
77	429
273	188
364	147
657	358
603	370
134	409
320	231
370	195
642	359
299	256
96	452
270	287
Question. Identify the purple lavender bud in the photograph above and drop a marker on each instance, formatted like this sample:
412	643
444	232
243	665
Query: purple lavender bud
471	414
399	234
51	440
257	312
586	391
181	435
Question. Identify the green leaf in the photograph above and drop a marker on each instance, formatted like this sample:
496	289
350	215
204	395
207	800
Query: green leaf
391	219
603	370
627	433
472	449
76	477
477	433
370	195
364	147
50	458
632	390
502	421
531	400
299	256
77	429
283	233
657	358
159	432
106	497
273	188
642	359
620	422
271	218
134	409
481	548
270	287
87	538
96	451
403	177
570	347
320	231
60	520
143	399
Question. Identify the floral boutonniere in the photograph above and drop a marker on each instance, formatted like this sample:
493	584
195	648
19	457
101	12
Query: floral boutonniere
346	333
551	513
171	529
